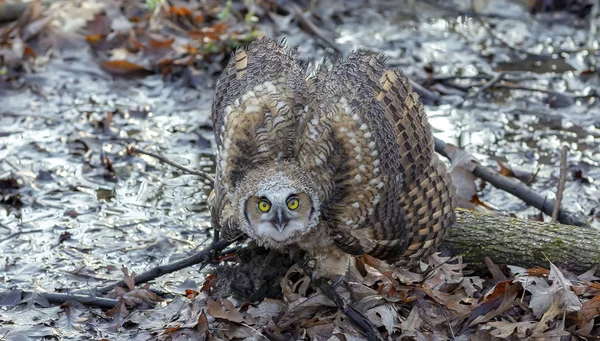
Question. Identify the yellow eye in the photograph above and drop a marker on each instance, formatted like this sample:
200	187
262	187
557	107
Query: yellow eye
293	203
264	206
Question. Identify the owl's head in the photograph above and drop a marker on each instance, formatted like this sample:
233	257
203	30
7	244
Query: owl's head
278	208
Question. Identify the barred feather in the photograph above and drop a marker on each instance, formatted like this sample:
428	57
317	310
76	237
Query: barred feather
357	134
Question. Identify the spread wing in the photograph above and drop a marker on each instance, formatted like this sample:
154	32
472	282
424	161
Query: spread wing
258	100
348	140
368	135
428	196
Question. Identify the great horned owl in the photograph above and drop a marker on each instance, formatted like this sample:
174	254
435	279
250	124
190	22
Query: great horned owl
338	163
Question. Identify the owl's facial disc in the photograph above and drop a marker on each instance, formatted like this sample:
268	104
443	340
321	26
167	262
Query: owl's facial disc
278	217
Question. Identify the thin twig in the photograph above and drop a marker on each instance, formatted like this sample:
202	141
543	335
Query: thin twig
498	77
199	257
16	234
176	165
44	117
545	91
561	182
312	28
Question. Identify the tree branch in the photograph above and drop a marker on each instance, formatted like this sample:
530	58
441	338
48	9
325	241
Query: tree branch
199	257
518	189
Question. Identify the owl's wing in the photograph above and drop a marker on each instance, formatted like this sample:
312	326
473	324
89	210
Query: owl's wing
350	144
428	195
258	100
368	138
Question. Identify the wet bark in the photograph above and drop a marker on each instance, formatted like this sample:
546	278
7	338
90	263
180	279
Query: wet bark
523	243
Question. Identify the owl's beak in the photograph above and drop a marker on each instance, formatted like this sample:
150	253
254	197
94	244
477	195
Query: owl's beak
280	220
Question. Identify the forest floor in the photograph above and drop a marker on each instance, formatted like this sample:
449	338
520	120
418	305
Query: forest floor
80	81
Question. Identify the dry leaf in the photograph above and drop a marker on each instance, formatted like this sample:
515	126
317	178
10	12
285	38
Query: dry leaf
384	316
589	311
496	306
504	329
122	67
463	164
127	278
224	309
543	295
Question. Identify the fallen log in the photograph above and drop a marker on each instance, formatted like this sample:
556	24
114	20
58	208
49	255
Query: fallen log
524	243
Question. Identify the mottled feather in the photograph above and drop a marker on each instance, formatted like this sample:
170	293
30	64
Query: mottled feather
353	135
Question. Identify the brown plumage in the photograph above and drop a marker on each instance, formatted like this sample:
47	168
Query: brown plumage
339	163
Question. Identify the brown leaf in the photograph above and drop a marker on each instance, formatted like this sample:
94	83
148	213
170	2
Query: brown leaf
497	305
538	272
449	301
224	309
160	44
94	38
294	289
142	298
373	276
472	285
127	278
171	330
495	270
505	170
123	67
119	312
189	293
209	283
499	290
29	52
463	164
589	311
504	329
202	326
544	295
198	18
552	311
180	11
203	35
99	26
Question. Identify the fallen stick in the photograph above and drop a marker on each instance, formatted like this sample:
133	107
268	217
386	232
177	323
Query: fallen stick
198	257
201	174
100	302
518	189
524	243
561	182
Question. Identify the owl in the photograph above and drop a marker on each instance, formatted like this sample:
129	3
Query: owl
337	160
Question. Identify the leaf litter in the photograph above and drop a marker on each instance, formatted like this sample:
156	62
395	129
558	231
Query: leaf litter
184	42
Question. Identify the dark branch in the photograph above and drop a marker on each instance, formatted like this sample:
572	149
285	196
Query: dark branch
518	189
58	298
199	257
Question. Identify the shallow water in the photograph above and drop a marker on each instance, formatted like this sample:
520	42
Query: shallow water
57	137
